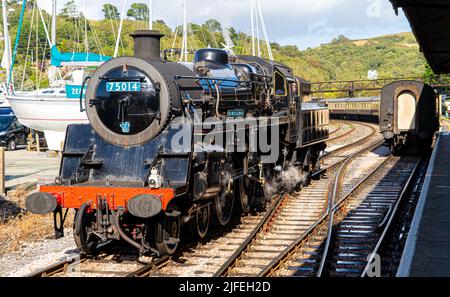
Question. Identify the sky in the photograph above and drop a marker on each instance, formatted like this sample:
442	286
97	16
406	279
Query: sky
305	23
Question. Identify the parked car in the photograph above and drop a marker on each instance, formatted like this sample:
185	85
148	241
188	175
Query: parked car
12	133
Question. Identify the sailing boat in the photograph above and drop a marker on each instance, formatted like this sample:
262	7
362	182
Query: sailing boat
51	110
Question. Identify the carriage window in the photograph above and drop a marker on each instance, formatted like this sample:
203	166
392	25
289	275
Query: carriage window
280	85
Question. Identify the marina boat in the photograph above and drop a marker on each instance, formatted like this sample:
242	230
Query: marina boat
3	93
51	110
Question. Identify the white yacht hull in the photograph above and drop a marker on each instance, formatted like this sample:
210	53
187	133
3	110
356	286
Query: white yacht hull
4	102
48	114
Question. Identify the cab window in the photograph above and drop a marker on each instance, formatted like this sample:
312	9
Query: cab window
280	85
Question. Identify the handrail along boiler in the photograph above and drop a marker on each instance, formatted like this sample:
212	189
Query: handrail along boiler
143	168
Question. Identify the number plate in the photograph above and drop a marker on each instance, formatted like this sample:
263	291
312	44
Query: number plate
123	86
236	113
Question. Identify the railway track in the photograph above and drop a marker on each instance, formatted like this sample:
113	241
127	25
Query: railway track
337	154
115	262
61	266
203	258
207	258
104	264
345	240
337	135
290	219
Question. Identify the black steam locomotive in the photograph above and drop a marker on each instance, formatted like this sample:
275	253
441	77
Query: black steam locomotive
175	143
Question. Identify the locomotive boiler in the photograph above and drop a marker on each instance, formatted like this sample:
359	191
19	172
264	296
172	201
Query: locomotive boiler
170	144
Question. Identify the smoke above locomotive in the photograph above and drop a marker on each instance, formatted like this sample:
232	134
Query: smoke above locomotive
180	143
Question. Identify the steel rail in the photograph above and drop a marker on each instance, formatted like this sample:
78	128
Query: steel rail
338	204
58	267
394	211
150	267
245	246
262	225
291	250
333	139
356	143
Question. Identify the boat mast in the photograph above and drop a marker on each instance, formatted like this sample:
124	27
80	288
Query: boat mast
53	70
253	27
16	43
54	23
7	54
122	17
184	48
258	35
264	28
150	14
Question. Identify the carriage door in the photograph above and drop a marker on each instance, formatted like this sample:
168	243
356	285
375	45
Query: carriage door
406	111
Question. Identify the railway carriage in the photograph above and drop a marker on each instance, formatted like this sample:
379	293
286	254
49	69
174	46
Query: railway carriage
151	161
409	114
316	122
361	109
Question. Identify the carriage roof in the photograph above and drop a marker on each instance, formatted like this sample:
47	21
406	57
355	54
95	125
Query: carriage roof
349	99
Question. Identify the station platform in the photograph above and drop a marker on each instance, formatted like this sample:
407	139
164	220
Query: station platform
427	250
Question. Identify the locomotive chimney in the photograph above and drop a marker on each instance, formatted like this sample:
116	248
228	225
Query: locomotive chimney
147	44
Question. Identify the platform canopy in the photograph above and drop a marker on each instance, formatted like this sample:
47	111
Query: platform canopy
430	22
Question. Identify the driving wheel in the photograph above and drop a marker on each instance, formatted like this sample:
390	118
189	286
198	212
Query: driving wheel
167	232
223	204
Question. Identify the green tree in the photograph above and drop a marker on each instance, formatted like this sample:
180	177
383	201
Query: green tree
138	12
431	78
69	9
234	35
340	39
110	12
213	25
